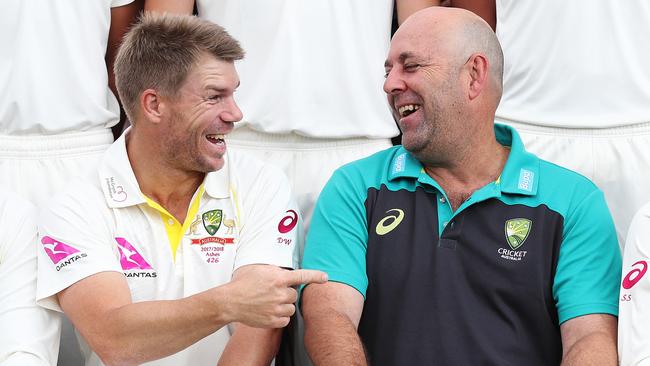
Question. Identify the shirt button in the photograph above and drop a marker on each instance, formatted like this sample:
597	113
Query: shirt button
442	199
170	222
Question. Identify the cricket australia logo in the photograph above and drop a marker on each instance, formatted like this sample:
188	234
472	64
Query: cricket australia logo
212	221
516	231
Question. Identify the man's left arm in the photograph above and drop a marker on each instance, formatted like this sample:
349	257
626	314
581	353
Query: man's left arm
249	345
589	340
270	233
586	283
238	351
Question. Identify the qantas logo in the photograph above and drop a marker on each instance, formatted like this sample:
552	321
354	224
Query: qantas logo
130	258
56	250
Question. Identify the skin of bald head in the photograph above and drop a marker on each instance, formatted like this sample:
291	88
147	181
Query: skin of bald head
449	63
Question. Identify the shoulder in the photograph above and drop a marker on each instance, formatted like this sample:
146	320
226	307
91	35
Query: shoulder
564	190
81	200
373	170
248	172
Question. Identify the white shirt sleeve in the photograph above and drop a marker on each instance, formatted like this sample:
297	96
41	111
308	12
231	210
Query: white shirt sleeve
634	298
29	334
270	223
74	242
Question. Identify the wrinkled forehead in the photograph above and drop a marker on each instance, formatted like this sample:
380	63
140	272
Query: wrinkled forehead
420	45
211	70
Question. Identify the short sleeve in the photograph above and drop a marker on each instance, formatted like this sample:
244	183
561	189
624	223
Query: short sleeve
338	235
634	299
118	3
29	334
74	242
589	265
271	226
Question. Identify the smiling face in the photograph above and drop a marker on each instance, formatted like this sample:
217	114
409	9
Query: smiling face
198	117
425	93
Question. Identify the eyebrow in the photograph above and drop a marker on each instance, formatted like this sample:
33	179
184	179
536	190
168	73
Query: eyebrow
222	90
402	57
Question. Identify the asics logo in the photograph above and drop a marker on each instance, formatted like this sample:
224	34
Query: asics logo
390	222
288	222
635	275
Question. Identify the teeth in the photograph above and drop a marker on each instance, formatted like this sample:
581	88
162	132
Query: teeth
215	136
405	110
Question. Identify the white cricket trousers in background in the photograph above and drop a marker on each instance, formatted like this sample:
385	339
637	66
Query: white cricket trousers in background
36	167
617	160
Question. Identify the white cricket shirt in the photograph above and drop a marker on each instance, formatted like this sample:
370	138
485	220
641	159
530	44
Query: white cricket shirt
244	214
314	68
575	64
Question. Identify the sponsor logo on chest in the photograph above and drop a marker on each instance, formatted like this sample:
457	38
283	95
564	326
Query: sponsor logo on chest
132	262
516	233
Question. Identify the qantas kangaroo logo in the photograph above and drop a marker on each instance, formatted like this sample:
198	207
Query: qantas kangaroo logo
56	250
130	258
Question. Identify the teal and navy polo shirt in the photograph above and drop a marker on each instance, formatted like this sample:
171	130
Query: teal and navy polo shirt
488	284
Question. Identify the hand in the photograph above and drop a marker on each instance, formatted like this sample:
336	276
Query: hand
263	296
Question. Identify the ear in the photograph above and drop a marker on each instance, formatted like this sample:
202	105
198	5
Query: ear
151	105
478	66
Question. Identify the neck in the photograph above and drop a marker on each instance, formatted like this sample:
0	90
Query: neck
482	164
170	187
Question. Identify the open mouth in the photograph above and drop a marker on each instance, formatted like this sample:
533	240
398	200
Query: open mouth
407	109
215	139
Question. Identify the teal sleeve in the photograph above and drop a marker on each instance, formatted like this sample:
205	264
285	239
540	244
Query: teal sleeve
338	234
589	266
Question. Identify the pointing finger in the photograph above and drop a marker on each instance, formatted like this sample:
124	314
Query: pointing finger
305	276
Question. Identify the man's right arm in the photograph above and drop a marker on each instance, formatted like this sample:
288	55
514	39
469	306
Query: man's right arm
126	333
332	312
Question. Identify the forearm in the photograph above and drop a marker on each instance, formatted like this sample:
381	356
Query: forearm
597	349
250	346
150	330
331	339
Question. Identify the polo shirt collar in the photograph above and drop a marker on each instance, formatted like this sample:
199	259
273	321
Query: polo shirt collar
121	189
520	174
116	176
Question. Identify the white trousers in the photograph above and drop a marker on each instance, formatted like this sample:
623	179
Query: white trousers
617	160
36	167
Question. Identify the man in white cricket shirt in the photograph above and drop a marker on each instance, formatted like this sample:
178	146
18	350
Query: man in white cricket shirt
172	253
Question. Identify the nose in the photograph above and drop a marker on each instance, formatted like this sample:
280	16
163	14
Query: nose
231	113
394	83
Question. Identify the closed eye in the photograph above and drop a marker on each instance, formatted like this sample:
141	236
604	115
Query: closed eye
411	67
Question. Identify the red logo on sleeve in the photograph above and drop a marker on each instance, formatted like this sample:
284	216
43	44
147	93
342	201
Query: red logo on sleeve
635	275
288	222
